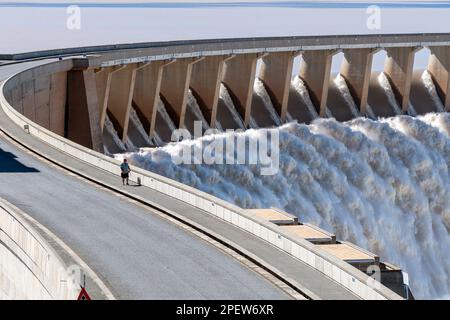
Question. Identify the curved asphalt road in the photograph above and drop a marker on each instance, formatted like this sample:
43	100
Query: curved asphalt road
137	254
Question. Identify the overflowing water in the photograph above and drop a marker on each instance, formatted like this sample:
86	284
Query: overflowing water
429	85
226	98
382	184
134	118
165	121
193	106
111	131
261	91
300	88
341	84
385	84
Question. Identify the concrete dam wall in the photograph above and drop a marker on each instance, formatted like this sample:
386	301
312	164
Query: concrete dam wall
128	98
29	267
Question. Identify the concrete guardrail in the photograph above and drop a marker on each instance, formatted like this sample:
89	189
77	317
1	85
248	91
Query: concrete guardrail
29	267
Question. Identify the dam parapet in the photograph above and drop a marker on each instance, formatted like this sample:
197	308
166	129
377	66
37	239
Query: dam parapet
29	267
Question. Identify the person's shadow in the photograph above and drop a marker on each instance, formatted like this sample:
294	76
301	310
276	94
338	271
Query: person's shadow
134	184
10	164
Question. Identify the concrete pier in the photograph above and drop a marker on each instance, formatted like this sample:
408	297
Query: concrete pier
175	86
239	78
205	84
399	68
275	73
82	116
356	68
439	67
119	97
315	71
146	93
102	81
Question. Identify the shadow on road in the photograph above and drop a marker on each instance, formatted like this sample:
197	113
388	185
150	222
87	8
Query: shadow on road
10	164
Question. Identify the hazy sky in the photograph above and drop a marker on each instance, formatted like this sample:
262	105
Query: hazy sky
43	25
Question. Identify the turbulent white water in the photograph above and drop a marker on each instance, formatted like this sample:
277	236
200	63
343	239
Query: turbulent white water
162	112
109	127
384	83
225	96
341	84
138	124
369	111
300	88
384	185
192	104
261	91
429	85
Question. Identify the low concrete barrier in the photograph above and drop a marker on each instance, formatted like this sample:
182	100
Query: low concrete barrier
29	267
348	276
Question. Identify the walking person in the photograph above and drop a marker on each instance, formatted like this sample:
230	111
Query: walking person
125	171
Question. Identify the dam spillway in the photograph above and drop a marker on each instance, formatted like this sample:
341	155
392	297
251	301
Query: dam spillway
380	184
345	177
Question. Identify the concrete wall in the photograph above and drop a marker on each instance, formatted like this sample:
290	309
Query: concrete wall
276	73
356	69
231	46
239	77
40	94
315	71
398	68
343	273
29	267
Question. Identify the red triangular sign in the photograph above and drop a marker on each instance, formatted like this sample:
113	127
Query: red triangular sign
83	295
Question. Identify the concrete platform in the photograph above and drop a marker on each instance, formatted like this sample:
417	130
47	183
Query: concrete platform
310	233
350	253
275	216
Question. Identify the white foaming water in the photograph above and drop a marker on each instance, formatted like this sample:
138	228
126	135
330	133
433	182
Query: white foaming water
252	123
192	104
138	124
225	96
441	121
429	85
384	185
301	89
411	110
384	83
369	111
341	84
161	109
261	91
130	146
113	133
289	117
328	113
